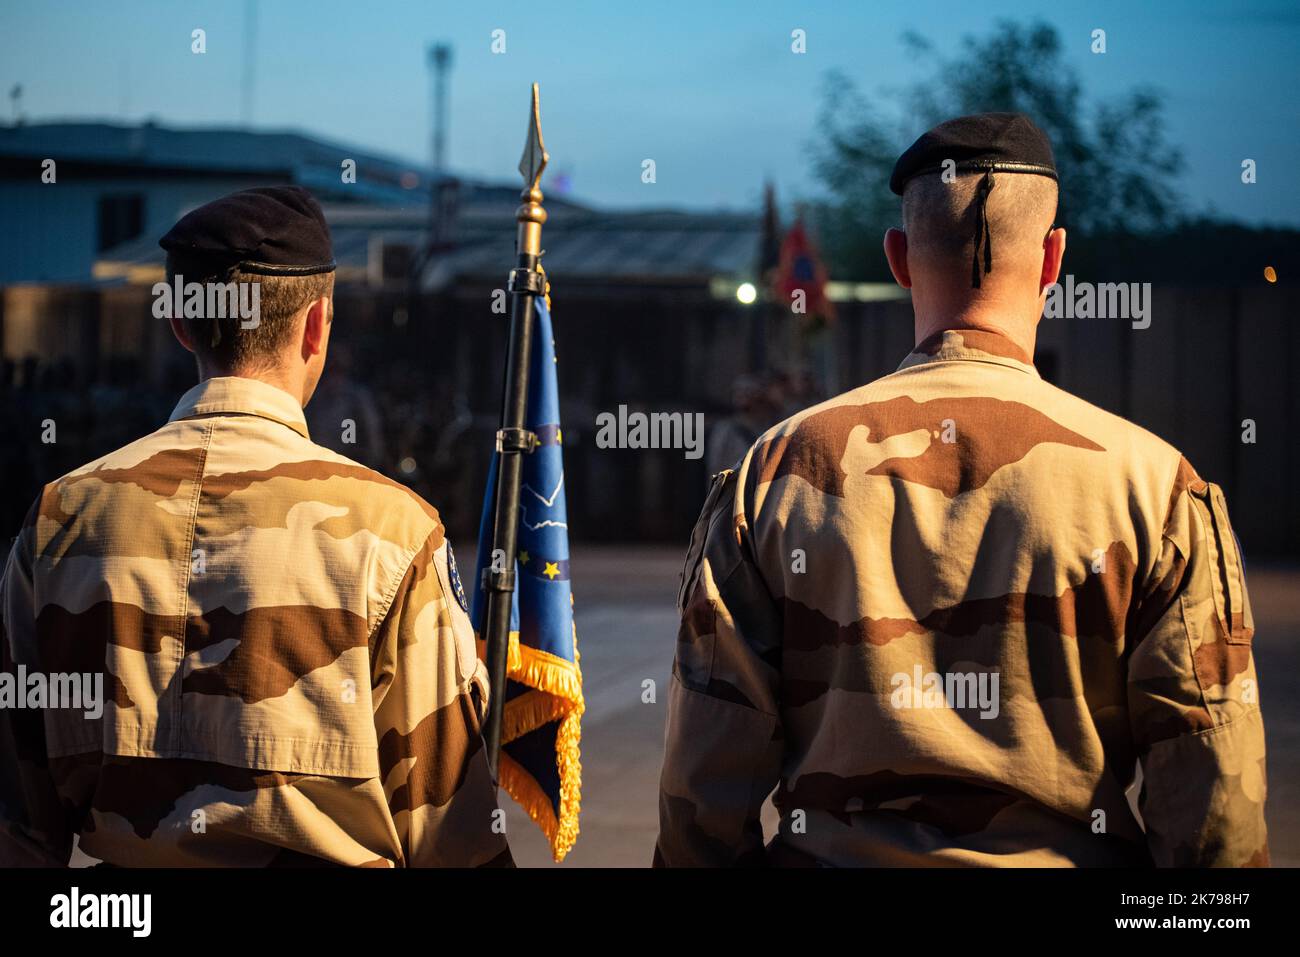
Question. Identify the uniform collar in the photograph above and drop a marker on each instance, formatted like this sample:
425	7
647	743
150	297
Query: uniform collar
977	345
235	395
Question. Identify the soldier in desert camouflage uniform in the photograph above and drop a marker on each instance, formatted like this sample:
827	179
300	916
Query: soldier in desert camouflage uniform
289	669
872	564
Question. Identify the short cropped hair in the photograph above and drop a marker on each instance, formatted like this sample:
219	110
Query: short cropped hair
940	217
224	342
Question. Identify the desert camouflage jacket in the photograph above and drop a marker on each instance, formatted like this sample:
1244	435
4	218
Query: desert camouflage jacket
289	675
947	616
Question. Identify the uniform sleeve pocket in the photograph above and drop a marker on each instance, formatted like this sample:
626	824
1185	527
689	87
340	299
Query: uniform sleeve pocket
1231	603
699	534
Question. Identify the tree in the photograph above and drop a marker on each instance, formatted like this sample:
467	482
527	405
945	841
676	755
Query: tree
1118	172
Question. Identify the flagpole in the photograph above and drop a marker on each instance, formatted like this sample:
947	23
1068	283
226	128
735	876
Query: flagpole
513	440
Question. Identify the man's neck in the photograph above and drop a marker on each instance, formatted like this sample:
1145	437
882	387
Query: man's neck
983	316
271	377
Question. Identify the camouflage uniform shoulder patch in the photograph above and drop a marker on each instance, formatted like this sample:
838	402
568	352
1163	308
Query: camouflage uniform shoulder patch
457	588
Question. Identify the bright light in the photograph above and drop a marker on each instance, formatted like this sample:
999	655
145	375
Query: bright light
1270	274
746	293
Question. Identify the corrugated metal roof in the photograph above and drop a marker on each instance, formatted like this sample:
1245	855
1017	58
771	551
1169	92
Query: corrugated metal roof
648	246
307	160
143	260
220	149
654	246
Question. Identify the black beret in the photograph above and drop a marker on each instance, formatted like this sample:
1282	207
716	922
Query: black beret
984	142
1003	142
273	230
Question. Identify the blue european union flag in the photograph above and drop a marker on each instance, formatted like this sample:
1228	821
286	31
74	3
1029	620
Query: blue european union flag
539	764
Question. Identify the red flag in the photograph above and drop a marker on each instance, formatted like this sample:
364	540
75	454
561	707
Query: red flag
801	270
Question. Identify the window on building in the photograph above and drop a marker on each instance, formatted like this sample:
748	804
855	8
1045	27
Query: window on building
121	217
397	261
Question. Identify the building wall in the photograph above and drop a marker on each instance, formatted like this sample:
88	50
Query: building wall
51	230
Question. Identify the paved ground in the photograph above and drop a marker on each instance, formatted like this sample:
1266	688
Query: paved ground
627	626
626	630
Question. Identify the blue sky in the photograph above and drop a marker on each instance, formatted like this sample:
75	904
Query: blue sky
710	91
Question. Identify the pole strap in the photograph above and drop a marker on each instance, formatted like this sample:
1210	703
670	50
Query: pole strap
498	580
517	440
527	282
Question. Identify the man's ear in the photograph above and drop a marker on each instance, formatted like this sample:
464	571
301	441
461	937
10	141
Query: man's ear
315	328
178	330
896	253
1053	254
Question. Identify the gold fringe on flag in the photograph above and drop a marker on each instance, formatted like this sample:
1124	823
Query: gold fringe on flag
555	695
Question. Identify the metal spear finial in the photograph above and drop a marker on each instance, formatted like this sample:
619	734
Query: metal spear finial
535	156
530	215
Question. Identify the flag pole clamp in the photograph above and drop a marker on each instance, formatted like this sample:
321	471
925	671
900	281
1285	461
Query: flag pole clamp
517	440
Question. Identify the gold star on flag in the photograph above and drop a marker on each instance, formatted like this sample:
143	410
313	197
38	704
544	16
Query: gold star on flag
551	570
523	558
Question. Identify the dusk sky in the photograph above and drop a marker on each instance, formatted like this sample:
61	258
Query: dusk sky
711	92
